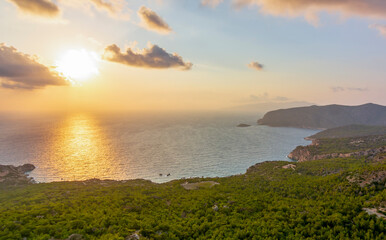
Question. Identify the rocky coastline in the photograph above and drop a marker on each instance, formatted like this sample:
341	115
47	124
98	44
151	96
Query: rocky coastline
11	175
303	153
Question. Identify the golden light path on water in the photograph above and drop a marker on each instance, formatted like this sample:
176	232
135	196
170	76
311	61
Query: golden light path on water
80	151
80	146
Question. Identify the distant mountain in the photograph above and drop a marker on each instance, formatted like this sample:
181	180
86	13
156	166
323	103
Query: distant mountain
350	131
330	116
264	107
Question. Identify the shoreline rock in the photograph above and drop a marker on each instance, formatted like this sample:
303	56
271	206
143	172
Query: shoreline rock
11	175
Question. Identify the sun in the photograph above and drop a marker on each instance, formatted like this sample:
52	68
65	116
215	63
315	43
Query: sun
78	65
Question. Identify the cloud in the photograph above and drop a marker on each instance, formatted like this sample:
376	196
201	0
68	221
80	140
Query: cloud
337	89
259	98
152	57
151	21
256	65
49	9
281	99
115	8
310	8
22	71
264	97
104	5
381	28
211	3
342	89
357	89
42	8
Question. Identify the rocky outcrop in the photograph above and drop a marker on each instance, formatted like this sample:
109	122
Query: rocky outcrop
369	179
303	153
289	166
374	211
11	175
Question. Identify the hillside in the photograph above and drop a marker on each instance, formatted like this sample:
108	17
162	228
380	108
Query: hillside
335	198
330	116
326	148
350	131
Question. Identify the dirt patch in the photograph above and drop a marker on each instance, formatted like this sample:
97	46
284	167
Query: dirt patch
288	166
372	211
197	185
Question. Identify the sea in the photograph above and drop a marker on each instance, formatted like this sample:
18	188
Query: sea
156	146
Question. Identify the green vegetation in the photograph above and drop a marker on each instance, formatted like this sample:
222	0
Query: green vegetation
336	198
347	145
350	131
314	201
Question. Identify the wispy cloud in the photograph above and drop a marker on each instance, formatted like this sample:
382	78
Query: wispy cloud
42	8
337	89
256	65
152	57
22	71
380	27
105	5
211	3
151	21
357	89
115	8
50	9
281	99
309	9
258	98
264	97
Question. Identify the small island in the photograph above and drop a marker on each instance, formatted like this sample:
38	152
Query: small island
243	125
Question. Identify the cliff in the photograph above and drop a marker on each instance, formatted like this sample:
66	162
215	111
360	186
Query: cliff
330	116
302	154
368	146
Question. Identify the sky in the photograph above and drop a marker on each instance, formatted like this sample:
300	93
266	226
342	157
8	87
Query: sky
146	55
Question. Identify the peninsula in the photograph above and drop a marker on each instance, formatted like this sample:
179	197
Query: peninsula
323	117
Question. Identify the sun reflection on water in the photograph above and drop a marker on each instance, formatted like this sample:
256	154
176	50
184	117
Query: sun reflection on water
79	150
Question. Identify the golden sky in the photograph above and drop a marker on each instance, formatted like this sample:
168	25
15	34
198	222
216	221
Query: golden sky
164	55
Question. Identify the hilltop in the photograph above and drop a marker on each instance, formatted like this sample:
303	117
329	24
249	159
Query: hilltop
350	131
323	117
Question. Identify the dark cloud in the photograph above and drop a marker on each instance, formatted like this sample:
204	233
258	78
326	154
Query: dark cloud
310	8
22	71
342	89
151	21
44	8
152	57
256	65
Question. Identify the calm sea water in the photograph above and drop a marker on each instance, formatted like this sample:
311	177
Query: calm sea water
129	146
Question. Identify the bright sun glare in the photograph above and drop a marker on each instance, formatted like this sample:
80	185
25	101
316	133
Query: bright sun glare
78	65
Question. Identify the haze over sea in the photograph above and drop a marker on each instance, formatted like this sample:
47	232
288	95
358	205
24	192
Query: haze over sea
129	146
